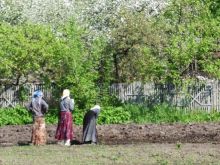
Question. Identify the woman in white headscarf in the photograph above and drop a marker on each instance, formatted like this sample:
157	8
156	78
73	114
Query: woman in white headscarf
89	125
64	132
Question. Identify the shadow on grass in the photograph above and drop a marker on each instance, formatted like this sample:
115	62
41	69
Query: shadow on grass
24	143
76	142
27	143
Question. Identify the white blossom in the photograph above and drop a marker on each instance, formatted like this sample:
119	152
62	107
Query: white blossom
95	15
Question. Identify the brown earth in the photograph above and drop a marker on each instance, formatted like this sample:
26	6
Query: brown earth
124	133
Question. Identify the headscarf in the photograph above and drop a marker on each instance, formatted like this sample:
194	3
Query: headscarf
96	107
66	93
38	93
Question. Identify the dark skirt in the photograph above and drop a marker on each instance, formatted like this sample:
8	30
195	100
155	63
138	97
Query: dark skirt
89	127
39	135
65	127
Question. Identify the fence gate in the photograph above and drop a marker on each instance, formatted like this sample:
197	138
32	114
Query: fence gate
199	95
205	96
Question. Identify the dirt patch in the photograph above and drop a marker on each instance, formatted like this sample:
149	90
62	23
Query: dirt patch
123	134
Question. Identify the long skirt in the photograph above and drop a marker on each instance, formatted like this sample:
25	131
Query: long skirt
39	135
65	127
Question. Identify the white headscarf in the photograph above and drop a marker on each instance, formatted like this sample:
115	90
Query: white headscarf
66	93
96	107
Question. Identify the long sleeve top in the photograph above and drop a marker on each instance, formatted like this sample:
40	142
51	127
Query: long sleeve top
38	107
66	104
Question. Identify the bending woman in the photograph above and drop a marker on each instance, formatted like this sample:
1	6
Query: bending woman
89	125
64	132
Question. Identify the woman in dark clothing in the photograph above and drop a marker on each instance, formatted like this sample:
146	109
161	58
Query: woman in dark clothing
89	125
38	107
64	132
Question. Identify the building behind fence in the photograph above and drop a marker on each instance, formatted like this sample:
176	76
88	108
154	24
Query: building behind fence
200	95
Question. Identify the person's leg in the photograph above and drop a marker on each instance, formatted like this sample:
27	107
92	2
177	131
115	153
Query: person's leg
33	138
69	129
60	133
41	135
67	142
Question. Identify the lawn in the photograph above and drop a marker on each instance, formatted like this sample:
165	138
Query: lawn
132	154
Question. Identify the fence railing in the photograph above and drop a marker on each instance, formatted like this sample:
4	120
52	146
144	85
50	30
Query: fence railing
12	95
199	95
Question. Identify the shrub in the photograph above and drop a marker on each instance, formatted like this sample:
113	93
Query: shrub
113	115
14	116
128	113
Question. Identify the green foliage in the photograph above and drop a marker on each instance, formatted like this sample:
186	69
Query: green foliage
23	93
74	67
215	8
171	45
113	115
166	114
116	115
78	115
14	116
52	116
191	41
31	52
136	47
25	51
138	113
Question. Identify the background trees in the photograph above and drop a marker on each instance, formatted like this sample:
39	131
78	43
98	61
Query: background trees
193	33
136	46
86	46
24	51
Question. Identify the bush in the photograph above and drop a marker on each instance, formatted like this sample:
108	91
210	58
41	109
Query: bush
14	116
113	115
19	115
128	113
166	114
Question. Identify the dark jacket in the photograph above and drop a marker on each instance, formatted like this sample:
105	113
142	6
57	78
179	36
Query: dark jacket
89	126
38	107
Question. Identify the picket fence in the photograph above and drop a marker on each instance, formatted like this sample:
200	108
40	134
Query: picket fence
13	95
198	95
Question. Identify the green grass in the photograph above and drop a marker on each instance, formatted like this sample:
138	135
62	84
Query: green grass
133	154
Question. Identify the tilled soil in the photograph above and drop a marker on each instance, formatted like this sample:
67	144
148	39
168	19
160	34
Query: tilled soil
123	133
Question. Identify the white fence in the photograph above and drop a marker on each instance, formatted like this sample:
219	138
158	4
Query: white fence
200	95
11	95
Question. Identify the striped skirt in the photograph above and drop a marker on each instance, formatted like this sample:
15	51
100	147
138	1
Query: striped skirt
65	127
39	135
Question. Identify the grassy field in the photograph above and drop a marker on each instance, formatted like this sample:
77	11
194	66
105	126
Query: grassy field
132	154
